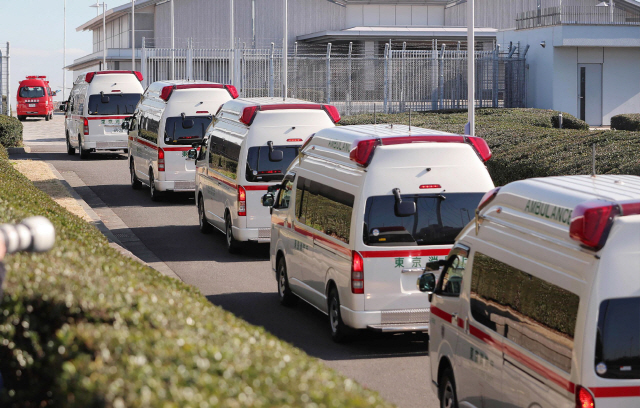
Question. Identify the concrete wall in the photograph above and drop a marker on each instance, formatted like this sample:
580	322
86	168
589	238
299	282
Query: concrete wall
620	82
358	15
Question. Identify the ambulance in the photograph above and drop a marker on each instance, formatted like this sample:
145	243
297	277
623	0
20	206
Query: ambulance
362	211
98	104
248	149
538	303
171	116
35	98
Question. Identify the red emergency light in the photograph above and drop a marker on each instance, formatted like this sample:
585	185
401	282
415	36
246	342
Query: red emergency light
90	75
591	221
249	113
166	92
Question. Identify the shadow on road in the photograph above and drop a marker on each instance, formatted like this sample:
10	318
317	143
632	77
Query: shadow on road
308	329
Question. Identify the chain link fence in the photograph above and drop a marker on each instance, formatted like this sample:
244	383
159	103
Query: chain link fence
390	81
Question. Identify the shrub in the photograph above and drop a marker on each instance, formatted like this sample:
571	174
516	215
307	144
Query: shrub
568	121
10	131
627	121
83	326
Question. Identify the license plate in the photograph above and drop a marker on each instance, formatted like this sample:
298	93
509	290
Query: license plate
115	130
32	105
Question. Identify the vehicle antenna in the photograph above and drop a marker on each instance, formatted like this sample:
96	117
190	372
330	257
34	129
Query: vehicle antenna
593	160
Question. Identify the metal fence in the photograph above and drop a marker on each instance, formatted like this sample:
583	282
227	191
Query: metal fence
582	15
395	81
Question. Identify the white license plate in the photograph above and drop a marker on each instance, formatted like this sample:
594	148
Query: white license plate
115	130
32	105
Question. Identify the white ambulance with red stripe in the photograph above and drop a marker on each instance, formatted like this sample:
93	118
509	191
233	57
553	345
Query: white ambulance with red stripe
171	117
362	212
538	304
248	149
98	104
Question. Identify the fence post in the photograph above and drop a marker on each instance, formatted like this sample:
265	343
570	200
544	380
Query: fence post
271	71
349	71
523	80
386	78
328	93
402	80
295	69
189	62
496	67
441	78
434	76
1	90
143	64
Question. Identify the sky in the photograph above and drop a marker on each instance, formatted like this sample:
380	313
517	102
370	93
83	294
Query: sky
35	29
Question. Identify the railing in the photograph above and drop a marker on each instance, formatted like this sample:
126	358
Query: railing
578	15
396	81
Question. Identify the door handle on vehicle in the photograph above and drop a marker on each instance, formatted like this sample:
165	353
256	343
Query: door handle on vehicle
409	270
454	319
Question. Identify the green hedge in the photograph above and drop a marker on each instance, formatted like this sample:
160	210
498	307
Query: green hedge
83	326
568	121
525	144
10	131
628	121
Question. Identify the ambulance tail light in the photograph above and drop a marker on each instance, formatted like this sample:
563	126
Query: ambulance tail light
487	198
138	75
332	112
584	398
85	126
481	147
166	92
248	115
363	152
242	201
232	91
357	273
160	159
591	221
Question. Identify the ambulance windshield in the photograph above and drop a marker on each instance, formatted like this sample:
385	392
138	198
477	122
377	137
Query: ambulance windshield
618	339
113	104
437	221
260	167
186	131
31	92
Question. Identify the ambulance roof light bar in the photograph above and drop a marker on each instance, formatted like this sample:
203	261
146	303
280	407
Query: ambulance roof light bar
591	221
90	75
166	92
249	113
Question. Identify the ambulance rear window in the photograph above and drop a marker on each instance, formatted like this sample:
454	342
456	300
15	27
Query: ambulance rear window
261	168
618	339
437	221
113	104
31	92
185	132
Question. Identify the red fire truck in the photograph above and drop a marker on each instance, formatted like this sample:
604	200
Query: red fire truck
35	98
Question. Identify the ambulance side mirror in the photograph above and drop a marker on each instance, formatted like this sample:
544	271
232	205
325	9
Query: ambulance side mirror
192	154
63	107
403	208
268	200
125	125
435	265
427	282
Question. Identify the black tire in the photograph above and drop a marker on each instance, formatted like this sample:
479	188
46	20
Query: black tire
21	118
84	153
70	149
46	117
447	390
204	225
233	246
155	194
287	298
135	183
126	151
339	331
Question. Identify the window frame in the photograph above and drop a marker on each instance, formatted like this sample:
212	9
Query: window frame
458	249
288	178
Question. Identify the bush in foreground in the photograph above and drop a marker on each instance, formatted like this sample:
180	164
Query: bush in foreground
525	144
10	131
83	326
628	121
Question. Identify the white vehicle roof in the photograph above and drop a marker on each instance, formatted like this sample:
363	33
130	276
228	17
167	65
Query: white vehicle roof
547	205
200	97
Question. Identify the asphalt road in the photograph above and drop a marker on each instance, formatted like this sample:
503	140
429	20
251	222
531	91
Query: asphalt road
397	366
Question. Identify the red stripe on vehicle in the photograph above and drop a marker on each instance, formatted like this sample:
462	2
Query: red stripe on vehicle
106	117
333	245
405	253
615	392
145	143
441	314
177	149
256	188
303	231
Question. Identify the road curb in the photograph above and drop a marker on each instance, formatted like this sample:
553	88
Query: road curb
19	150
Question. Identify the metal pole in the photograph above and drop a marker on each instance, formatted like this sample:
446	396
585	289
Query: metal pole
173	43
64	51
349	73
471	75
328	95
285	52
386	79
133	35
143	63
1	83
232	43
104	34
271	71
9	110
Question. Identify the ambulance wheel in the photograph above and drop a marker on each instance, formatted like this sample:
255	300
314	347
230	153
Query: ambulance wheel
204	225
46	117
339	331
155	194
21	118
135	183
84	153
447	390
70	149
233	246
287	298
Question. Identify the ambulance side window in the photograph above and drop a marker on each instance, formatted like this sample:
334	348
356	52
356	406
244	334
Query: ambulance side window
224	156
533	313
284	194
450	283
